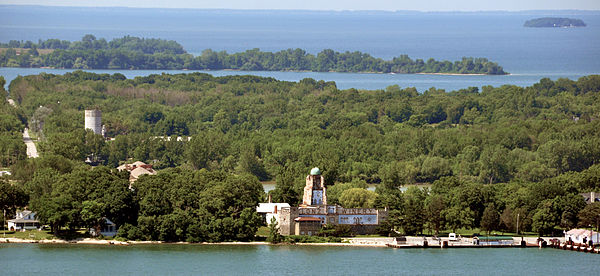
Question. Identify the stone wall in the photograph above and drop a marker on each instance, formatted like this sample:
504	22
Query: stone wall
364	229
287	225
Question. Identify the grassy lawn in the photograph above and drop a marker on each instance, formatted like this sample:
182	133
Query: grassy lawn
28	235
45	234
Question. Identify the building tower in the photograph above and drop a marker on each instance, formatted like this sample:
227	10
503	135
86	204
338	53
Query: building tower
93	120
315	192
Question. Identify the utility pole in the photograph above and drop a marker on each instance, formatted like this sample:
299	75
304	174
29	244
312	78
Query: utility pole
518	223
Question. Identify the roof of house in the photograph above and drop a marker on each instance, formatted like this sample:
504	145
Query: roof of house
307	219
23	213
138	163
591	195
22	220
270	207
140	171
581	232
108	222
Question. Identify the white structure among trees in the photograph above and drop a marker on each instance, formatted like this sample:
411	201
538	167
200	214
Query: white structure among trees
93	120
578	236
25	220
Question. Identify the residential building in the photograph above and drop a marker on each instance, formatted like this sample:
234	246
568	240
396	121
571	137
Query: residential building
108	229
591	197
137	169
270	210
24	220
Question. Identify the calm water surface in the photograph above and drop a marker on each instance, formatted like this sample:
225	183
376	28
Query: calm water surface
286	260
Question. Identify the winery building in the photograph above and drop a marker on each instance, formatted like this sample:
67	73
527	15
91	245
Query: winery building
314	212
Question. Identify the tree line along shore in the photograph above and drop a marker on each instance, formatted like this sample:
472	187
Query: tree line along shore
492	156
139	53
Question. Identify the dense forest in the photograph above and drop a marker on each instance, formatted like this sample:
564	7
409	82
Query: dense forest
12	122
138	53
490	156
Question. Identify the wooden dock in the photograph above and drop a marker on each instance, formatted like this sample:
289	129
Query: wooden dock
577	247
450	245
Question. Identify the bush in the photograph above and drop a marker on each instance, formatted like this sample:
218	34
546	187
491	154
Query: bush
311	239
129	232
340	230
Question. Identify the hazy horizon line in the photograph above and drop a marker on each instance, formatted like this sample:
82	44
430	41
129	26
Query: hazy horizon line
310	10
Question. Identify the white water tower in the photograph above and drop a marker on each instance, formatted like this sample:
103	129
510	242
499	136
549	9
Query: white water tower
93	120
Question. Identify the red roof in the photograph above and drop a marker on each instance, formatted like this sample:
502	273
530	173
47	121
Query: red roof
307	219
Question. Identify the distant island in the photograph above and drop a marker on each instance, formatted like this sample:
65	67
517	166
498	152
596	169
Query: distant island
554	22
157	54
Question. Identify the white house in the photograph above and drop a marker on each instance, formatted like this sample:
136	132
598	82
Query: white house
109	229
591	197
25	220
577	236
270	210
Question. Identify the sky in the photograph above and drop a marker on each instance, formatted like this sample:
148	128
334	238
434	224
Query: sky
389	5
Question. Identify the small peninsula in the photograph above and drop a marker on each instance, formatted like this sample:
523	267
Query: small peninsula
554	22
128	53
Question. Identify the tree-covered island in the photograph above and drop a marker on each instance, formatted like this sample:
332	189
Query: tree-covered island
139	53
558	22
492	158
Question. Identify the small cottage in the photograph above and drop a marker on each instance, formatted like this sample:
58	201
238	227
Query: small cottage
108	229
591	197
24	220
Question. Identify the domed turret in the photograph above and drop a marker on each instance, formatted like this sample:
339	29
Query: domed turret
315	171
315	192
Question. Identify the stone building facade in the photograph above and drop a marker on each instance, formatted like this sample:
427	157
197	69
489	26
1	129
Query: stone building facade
295	220
315	192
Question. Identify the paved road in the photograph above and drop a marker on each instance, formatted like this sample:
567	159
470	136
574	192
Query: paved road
31	150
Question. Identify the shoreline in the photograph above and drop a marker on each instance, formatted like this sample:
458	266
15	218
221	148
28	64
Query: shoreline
282	71
89	241
459	74
380	242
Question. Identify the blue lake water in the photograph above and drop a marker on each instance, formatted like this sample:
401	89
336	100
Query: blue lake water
343	80
528	53
29	259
